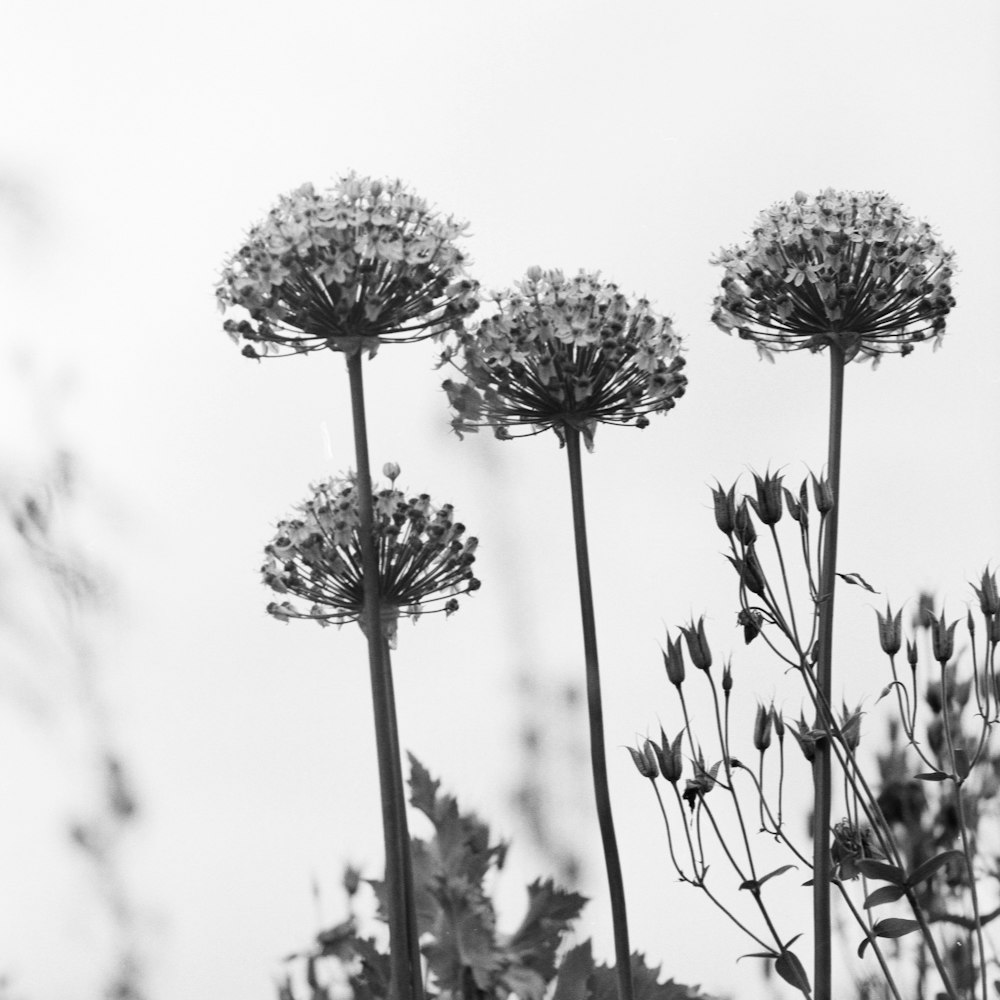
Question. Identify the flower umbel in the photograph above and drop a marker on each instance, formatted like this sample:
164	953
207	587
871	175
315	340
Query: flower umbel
565	352
845	268
364	263
424	558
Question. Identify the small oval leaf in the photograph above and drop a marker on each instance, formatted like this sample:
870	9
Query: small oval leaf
931	865
881	871
932	776
791	970
776	872
895	927
887	894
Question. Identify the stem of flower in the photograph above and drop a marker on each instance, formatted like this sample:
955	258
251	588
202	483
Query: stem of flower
822	770
598	762
404	944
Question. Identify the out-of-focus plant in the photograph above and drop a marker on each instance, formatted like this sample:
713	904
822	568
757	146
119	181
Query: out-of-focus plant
468	956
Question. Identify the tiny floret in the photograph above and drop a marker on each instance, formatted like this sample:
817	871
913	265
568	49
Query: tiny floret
425	558
364	263
847	268
564	352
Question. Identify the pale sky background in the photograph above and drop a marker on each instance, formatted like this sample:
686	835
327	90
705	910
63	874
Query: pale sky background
139	141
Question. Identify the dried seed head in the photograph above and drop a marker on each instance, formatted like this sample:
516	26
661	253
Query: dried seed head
743	525
823	495
989	596
942	639
724	503
768	504
673	661
645	760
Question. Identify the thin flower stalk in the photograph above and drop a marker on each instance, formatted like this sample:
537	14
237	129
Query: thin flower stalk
595	712
566	355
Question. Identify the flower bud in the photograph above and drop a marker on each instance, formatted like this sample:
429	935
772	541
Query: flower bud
645	760
697	643
752	622
670	757
724	503
391	471
673	660
743	525
534	273
779	723
942	639
989	597
768	505
823	495
762	727
890	631
750	572
850	727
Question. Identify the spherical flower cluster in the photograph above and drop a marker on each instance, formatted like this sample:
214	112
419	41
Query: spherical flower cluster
424	559
364	263
843	268
565	352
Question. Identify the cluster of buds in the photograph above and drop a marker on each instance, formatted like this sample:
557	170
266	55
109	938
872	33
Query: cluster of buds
564	352
851	269
424	557
363	263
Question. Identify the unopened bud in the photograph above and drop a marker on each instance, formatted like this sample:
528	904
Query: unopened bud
697	643
724	503
762	727
645	760
743	525
534	272
943	639
391	471
890	631
768	505
823	495
670	757
673	661
779	723
989	597
850	728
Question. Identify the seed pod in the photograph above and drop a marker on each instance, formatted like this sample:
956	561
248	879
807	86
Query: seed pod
989	597
724	503
768	505
743	525
942	639
823	494
644	760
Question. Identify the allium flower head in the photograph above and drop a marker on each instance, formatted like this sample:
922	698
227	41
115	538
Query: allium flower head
565	352
424	557
364	263
844	268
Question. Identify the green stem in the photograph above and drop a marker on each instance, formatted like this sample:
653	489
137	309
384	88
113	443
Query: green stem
404	945
598	762
822	770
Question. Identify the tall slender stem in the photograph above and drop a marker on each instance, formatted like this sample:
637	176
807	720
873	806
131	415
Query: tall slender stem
822	769
595	711
404	945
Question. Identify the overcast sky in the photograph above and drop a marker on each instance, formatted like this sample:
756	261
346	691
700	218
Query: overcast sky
139	141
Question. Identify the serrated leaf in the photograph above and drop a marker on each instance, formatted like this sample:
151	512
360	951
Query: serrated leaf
881	871
645	982
887	894
857	580
575	970
788	966
550	912
931	865
932	776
